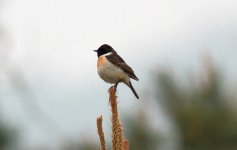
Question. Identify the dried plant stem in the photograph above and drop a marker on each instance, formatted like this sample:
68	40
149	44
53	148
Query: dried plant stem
117	132
118	140
100	132
125	144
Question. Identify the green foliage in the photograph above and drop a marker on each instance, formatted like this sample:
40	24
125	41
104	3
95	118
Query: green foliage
7	136
200	110
140	134
86	144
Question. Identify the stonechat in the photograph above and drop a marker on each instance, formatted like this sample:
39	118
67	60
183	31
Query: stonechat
113	69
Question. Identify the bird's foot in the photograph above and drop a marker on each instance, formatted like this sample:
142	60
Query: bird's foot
111	88
114	87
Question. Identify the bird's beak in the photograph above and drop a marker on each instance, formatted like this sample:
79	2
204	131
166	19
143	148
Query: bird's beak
95	50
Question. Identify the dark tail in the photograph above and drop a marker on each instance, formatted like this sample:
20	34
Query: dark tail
133	90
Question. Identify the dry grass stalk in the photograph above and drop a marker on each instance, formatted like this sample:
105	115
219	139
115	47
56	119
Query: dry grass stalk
125	144
100	132
117	132
118	140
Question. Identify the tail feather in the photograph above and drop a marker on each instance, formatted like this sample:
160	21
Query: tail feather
133	90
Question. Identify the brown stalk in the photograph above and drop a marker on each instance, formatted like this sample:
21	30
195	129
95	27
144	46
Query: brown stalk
118	140
117	132
125	144
100	132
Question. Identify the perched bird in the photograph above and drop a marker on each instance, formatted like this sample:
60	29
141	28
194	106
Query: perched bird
113	69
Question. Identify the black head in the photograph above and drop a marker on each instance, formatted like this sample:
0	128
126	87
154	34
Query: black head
104	49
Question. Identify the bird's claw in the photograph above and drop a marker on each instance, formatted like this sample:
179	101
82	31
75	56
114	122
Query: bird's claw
112	88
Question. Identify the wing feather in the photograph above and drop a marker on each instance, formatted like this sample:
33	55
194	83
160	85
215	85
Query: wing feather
118	61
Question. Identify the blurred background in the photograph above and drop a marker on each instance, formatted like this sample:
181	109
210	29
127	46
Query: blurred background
184	53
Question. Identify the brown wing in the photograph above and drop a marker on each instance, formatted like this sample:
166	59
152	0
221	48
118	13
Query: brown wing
118	61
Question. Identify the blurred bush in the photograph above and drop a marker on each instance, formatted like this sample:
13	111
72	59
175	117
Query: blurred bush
201	110
7	136
140	133
86	144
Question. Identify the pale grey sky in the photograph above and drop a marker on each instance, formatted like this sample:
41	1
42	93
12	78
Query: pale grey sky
52	42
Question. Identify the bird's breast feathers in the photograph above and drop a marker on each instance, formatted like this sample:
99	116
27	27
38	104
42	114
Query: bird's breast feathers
101	61
109	72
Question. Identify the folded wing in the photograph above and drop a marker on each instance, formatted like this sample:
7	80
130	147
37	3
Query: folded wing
118	61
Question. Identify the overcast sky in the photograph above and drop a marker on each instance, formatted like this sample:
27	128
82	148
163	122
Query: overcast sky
52	43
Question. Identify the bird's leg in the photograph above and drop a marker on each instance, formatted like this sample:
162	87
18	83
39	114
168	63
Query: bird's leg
110	88
115	86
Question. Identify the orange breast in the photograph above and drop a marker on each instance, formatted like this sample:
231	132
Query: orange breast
101	61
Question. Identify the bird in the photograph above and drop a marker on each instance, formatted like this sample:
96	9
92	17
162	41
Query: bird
113	69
